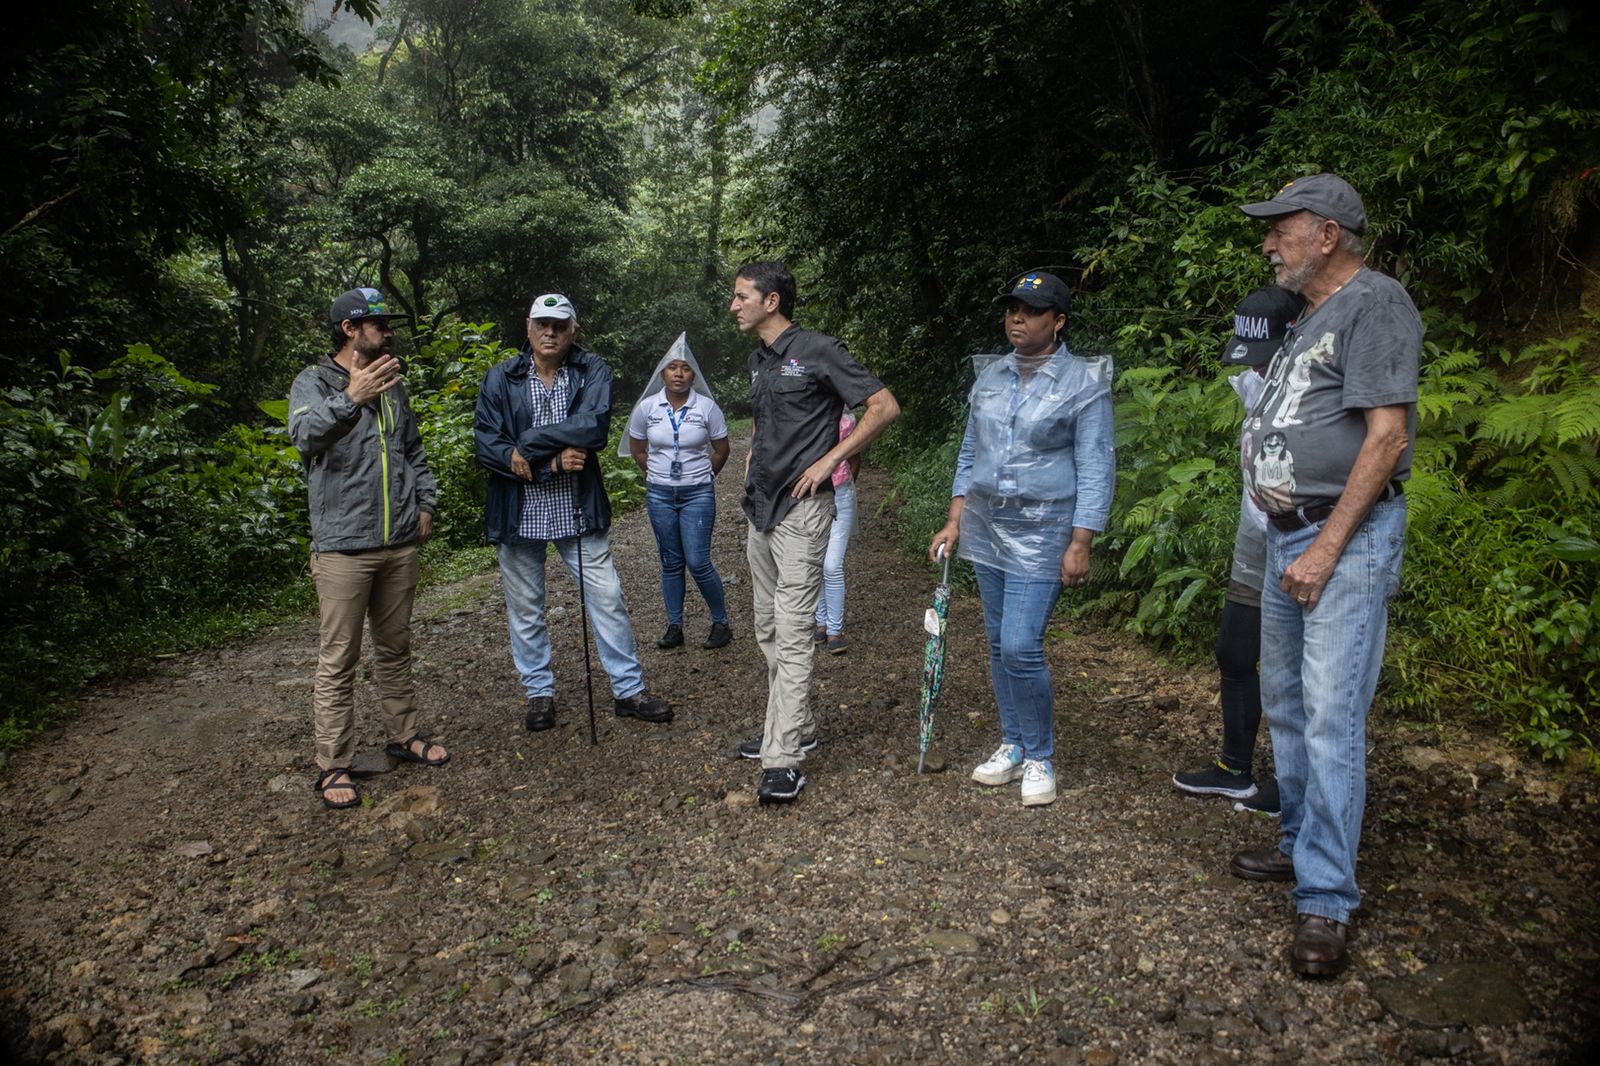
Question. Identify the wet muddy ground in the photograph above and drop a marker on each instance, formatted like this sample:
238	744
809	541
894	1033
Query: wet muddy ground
175	892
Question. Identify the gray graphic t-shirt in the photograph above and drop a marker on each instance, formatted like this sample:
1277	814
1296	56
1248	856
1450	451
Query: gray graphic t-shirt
1361	349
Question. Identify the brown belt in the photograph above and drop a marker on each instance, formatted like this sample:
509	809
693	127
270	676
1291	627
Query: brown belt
1313	513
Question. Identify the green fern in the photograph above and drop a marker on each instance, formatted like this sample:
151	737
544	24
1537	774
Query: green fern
1577	416
1518	421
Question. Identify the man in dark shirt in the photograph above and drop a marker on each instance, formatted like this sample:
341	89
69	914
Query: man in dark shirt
800	383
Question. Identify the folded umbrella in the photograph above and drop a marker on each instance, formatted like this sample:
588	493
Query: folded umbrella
933	659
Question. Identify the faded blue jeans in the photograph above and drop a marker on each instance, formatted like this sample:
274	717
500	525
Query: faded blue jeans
522	576
683	517
1319	669
830	608
1016	610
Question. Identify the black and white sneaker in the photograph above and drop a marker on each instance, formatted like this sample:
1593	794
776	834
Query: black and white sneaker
780	785
751	749
1265	801
1215	780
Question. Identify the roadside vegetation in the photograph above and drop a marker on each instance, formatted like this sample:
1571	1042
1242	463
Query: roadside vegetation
190	184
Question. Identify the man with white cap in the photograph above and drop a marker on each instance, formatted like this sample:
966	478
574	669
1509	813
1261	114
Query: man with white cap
1340	399
542	418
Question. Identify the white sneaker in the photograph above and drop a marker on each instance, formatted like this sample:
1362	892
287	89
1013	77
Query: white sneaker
1038	783
1003	767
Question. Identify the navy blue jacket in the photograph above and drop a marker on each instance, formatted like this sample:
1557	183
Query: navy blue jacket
504	420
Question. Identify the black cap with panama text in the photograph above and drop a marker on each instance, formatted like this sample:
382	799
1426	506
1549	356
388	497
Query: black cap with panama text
1259	325
1327	195
1040	290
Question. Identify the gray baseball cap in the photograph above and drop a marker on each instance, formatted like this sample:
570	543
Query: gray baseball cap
1327	195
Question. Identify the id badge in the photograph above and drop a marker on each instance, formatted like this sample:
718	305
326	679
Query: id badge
1006	483
675	471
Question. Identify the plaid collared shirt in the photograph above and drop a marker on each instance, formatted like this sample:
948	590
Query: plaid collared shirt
548	507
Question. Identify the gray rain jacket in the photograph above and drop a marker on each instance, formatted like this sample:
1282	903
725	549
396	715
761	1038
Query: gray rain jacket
366	474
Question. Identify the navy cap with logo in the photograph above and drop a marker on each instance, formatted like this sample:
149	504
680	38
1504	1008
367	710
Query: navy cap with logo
1039	289
1260	324
1327	195
357	304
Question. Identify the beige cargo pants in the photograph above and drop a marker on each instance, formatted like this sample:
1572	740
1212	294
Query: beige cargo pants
786	575
376	585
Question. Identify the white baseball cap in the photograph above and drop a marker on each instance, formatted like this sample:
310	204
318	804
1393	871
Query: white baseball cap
552	305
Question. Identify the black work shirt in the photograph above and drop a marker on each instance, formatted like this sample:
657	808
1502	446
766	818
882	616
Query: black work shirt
799	386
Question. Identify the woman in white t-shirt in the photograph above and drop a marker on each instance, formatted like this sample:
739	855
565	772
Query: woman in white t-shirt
679	438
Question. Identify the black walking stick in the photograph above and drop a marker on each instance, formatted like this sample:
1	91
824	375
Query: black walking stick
583	616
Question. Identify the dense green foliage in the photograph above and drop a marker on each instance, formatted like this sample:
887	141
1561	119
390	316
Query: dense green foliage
198	179
120	523
1094	144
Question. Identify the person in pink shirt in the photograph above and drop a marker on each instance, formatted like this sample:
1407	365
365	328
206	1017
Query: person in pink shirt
830	605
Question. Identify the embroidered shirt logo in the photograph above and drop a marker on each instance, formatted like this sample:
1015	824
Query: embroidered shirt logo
791	368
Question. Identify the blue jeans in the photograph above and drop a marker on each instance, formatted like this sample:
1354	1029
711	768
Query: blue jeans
1016	610
683	518
522	575
830	608
1319	669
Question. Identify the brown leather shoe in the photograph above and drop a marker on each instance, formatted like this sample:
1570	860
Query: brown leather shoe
1262	864
1319	949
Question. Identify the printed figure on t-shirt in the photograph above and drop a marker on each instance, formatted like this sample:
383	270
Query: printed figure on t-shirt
1300	380
1275	475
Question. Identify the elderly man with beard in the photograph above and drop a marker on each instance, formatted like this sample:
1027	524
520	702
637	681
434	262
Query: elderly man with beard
1342	394
372	499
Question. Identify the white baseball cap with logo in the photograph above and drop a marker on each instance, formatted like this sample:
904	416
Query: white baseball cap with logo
553	305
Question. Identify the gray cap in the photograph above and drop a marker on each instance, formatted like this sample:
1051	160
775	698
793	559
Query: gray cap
1327	195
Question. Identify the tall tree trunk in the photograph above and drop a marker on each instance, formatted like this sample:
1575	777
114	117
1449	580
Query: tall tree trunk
718	150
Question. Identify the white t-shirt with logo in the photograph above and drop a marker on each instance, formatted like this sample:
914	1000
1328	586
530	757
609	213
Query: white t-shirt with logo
699	422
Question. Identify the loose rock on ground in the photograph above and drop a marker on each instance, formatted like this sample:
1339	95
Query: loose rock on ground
175	892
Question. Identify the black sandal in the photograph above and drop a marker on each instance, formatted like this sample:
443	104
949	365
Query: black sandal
403	751
325	782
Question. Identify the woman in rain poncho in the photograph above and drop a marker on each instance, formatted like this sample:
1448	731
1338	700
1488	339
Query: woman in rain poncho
679	438
1033	486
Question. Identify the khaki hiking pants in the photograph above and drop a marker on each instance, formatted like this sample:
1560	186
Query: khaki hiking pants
376	585
786	575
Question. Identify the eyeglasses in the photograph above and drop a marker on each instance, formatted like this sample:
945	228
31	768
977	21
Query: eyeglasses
554	325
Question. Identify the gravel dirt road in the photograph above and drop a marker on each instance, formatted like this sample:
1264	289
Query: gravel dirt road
175	893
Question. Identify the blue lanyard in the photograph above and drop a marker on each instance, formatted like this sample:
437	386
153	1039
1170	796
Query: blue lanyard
677	422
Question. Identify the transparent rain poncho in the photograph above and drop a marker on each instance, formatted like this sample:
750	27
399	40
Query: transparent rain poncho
1037	459
655	383
1250	540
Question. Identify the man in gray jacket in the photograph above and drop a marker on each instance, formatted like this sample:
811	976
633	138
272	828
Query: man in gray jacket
372	500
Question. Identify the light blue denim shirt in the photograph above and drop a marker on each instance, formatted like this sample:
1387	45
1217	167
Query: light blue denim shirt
1037	460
